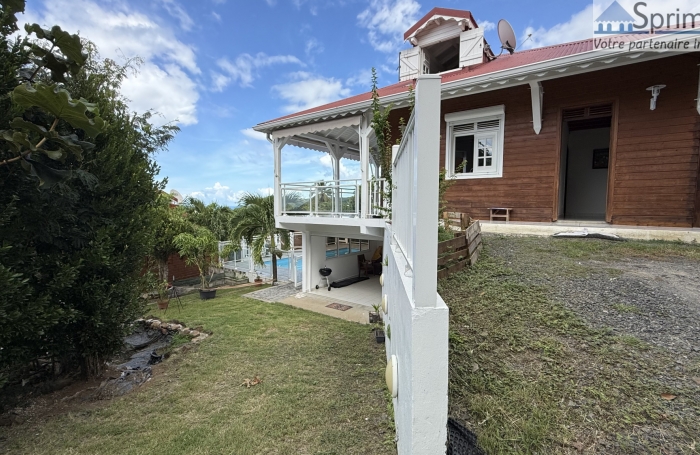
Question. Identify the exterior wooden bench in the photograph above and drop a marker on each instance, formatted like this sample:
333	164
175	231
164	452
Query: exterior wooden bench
500	212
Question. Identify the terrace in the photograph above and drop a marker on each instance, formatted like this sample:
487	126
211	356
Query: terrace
356	202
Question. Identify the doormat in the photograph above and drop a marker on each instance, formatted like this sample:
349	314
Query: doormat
338	306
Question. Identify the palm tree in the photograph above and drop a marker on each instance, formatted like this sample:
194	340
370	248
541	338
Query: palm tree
254	221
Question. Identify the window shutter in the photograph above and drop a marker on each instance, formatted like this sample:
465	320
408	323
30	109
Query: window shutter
463	128
471	47
587	112
409	64
488	124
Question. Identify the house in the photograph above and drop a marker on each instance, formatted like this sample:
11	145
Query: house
582	131
564	132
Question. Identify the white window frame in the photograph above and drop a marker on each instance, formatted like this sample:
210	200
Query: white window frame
475	116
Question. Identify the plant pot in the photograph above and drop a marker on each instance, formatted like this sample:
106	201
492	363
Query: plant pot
206	294
163	304
258	281
374	317
379	335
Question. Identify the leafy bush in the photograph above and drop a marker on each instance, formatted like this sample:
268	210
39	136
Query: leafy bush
72	251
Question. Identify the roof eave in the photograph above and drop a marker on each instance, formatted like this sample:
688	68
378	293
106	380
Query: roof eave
549	69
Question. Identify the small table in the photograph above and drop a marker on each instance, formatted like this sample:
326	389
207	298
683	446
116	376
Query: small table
500	212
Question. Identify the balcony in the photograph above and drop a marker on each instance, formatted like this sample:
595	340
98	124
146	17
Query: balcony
333	198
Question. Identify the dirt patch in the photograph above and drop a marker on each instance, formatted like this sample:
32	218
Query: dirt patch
150	342
655	301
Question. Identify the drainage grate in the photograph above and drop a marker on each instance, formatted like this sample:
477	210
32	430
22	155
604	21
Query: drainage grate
339	306
461	441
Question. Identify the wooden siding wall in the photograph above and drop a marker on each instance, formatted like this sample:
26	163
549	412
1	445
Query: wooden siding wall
654	154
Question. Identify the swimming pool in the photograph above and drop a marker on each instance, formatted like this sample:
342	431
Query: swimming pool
284	262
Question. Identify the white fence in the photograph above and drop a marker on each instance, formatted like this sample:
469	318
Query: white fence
417	319
288	266
403	204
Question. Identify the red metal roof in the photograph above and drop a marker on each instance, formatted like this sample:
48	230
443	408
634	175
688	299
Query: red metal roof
440	12
504	62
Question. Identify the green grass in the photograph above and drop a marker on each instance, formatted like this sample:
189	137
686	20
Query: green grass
529	376
322	392
623	308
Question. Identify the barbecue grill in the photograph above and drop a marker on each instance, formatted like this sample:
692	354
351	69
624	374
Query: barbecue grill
325	276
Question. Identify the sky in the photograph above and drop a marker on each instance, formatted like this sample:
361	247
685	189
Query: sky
216	68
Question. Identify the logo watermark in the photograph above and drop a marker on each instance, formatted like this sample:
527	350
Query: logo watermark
649	26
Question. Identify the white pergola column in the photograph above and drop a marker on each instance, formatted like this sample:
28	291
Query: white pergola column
305	261
537	95
364	130
277	146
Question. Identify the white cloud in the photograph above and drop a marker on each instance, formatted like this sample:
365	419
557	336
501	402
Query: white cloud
266	191
221	194
121	32
362	78
251	133
387	20
348	169
216	16
307	90
244	69
167	90
486	25
313	46
271	2
578	27
176	11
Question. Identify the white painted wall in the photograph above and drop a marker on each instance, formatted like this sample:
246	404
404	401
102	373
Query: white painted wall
586	188
419	340
343	267
417	319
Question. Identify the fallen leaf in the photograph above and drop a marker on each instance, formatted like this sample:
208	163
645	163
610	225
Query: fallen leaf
482	293
697	380
475	367
578	446
251	383
668	396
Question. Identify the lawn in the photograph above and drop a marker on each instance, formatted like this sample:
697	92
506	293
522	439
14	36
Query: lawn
577	346
322	392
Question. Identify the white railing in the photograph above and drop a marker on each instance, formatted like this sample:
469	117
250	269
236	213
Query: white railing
288	266
380	205
337	198
403	204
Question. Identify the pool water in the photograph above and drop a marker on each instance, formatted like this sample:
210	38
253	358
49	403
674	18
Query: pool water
284	262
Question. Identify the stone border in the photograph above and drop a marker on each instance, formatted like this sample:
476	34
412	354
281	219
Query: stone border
196	335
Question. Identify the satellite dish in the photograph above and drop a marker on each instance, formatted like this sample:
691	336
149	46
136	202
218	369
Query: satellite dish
177	197
507	36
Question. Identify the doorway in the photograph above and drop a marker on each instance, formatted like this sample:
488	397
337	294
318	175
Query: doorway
585	155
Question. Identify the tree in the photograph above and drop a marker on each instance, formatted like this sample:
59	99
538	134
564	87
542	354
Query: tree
72	250
199	248
217	218
169	222
255	222
54	125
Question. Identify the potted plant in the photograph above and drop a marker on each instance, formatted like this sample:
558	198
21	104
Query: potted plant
201	249
375	316
258	281
157	289
162	289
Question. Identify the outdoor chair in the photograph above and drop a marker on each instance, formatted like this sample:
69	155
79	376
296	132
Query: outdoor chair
364	265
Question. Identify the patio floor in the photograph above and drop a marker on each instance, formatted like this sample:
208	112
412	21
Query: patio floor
367	293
